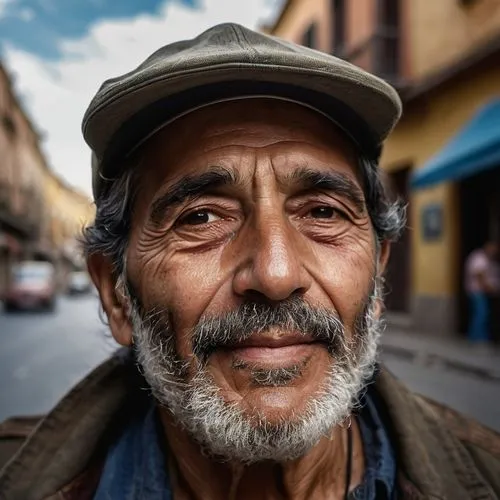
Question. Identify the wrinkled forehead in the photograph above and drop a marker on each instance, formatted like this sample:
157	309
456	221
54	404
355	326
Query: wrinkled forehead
253	124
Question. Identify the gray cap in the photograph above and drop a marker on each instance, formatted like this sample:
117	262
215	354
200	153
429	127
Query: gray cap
228	62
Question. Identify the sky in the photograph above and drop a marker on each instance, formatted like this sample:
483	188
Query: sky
60	51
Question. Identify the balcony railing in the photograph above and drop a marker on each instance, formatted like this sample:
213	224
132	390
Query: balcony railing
379	54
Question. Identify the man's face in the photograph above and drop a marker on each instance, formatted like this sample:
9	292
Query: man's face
252	251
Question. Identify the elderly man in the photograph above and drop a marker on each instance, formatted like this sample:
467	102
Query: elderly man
241	237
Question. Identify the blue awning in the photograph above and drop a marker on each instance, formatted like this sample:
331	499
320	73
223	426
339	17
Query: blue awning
474	149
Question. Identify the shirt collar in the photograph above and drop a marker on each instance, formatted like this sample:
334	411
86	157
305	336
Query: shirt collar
379	480
135	467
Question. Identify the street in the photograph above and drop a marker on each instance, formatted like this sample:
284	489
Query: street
44	354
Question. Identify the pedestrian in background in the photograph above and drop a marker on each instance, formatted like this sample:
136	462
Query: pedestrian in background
481	282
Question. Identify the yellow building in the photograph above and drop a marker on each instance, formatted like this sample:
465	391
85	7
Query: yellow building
444	58
22	168
69	212
40	216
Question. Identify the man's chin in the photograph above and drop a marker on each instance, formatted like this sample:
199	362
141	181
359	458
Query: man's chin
274	396
235	418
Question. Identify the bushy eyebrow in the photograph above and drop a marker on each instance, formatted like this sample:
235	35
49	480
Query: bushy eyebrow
190	187
193	186
309	179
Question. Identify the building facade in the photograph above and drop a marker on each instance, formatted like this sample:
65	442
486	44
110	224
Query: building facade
444	59
69	212
22	204
40	216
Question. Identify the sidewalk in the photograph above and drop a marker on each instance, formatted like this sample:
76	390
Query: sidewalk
457	354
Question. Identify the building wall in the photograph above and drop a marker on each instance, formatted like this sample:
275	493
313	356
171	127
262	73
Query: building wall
300	14
433	34
21	191
360	28
70	210
22	165
426	127
6	171
361	17
443	31
37	209
11	135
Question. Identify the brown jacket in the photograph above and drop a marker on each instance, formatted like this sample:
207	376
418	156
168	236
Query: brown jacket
441	455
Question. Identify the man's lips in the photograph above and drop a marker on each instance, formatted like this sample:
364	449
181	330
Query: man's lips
274	342
277	351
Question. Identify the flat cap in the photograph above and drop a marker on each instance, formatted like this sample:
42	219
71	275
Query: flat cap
227	62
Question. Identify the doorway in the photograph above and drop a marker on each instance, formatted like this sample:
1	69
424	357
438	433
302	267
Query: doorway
398	274
479	222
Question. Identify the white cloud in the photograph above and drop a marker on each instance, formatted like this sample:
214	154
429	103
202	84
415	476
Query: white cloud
8	8
3	7
57	93
26	14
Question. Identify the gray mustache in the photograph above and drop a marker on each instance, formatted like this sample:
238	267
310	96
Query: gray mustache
254	318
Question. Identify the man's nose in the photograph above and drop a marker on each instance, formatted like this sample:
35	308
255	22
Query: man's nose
272	268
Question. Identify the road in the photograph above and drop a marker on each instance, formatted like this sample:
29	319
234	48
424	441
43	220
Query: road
44	354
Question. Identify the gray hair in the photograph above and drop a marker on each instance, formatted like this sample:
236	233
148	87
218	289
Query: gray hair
109	233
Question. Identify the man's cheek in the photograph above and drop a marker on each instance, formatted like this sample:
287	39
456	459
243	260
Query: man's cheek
347	280
186	296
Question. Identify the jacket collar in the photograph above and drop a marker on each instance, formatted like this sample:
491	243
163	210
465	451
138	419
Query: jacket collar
66	440
432	463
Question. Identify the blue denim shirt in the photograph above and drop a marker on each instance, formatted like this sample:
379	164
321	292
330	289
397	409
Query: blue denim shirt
379	480
135	466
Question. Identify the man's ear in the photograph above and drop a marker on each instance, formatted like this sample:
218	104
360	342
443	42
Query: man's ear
383	259
116	306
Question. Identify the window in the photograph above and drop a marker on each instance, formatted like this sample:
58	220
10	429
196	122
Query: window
389	13
4	194
309	38
9	125
387	50
380	52
338	23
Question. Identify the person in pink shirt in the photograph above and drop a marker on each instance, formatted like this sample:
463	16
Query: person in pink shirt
481	280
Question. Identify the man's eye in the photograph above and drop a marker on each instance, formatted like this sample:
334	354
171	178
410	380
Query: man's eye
197	218
323	212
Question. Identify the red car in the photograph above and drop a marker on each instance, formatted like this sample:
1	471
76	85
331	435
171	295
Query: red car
32	286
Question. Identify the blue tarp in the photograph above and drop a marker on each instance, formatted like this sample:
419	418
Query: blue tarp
474	149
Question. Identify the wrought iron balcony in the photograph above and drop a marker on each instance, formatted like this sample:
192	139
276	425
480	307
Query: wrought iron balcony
379	54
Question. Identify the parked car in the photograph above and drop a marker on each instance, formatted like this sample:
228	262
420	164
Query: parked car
79	283
32	286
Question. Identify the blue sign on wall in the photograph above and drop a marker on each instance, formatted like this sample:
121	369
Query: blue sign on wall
432	222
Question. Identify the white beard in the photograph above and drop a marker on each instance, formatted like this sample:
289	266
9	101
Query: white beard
223	429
